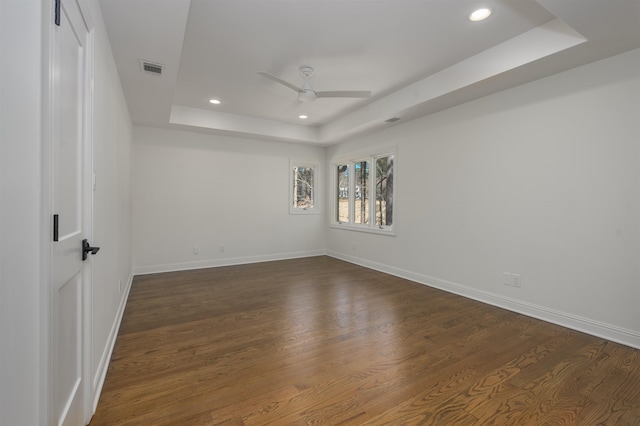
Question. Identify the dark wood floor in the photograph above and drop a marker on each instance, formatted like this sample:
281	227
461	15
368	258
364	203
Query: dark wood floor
321	341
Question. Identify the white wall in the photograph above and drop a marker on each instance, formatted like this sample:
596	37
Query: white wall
21	325
542	180
112	207
192	189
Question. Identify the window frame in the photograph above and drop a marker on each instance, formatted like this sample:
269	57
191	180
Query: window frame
350	161
314	190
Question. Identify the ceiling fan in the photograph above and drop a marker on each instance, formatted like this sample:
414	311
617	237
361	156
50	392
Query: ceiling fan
306	92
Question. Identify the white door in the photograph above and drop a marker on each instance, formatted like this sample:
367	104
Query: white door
70	209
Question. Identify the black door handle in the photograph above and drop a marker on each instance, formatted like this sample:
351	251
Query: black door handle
86	248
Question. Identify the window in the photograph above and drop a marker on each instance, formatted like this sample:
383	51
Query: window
343	193
361	213
302	188
384	191
363	194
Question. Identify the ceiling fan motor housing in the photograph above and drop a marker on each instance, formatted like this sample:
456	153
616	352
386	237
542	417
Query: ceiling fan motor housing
307	95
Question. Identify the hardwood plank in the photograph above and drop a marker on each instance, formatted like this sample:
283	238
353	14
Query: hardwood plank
321	341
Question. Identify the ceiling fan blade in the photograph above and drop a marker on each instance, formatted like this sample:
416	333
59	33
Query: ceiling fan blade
277	80
293	106
345	94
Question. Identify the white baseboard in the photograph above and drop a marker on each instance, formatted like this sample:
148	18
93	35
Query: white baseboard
212	263
103	366
585	325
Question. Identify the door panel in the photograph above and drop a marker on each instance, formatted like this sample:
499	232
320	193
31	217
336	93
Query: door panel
68	394
68	201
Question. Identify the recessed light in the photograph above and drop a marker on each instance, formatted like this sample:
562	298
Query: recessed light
303	117
214	101
480	14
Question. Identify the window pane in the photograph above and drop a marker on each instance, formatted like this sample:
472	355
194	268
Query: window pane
361	196
303	187
342	191
384	191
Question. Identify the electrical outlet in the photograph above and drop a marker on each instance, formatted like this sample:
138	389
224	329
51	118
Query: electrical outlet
196	250
510	279
506	278
222	248
515	279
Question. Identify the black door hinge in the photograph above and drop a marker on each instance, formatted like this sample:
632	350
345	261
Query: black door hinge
55	227
57	12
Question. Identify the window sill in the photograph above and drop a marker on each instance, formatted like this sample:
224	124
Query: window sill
347	227
303	211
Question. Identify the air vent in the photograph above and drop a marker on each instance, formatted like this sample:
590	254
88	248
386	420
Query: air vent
391	120
152	67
